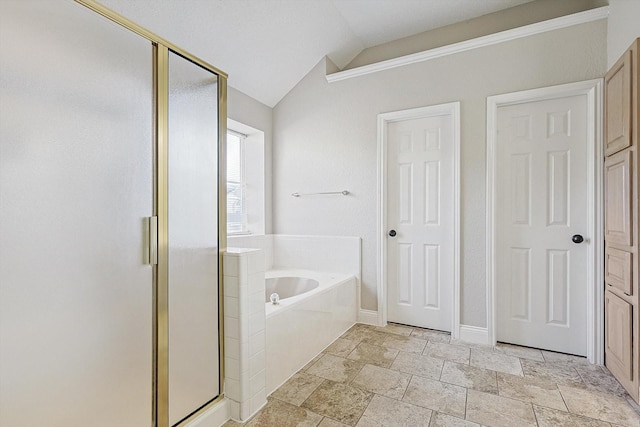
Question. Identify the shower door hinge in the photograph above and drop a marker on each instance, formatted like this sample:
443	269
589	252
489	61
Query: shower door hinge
151	252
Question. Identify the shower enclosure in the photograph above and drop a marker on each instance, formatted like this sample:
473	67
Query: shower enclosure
112	221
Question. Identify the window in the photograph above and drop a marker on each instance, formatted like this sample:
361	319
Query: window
236	207
246	190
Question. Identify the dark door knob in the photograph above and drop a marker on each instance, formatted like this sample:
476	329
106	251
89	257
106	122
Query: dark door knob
577	238
392	233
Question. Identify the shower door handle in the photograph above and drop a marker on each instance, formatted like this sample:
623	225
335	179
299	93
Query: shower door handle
151	240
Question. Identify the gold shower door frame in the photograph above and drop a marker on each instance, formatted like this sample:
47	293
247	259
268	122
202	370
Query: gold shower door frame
161	49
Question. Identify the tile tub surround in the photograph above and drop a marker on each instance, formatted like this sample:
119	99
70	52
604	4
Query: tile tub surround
244	331
337	254
351	383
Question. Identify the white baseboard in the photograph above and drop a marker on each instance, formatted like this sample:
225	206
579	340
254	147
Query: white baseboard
474	335
215	416
369	317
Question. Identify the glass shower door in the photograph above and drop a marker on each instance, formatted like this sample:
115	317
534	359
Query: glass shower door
192	237
76	182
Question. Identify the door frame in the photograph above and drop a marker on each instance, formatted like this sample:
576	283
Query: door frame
453	109
595	255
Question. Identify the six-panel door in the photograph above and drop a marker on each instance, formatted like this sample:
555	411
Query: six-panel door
541	204
421	210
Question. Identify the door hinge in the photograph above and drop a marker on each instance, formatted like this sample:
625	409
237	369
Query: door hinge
151	252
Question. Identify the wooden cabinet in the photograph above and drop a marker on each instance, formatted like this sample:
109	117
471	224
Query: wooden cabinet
617	86
617	200
618	270
618	341
622	302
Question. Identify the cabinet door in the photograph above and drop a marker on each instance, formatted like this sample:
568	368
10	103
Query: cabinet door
617	93
618	330
617	210
618	269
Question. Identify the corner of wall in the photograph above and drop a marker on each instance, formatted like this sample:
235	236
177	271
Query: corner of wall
251	112
331	67
622	28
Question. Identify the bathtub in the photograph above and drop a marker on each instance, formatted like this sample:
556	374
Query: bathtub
305	323
284	287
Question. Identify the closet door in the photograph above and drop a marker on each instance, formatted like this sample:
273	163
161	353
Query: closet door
76	182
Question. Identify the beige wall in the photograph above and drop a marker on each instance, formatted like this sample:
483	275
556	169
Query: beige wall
623	27
325	139
246	110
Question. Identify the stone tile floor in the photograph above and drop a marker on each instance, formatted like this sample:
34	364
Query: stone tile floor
404	376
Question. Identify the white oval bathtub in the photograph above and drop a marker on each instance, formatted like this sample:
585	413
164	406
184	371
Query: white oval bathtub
302	325
287	286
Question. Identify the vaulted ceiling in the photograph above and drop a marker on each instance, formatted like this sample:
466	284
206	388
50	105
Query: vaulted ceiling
268	46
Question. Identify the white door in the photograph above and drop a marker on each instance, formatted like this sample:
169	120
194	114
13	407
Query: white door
541	203
420	211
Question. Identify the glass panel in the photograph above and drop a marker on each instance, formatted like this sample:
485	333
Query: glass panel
193	237
76	109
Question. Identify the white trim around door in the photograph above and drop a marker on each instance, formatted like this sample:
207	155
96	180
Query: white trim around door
384	119
593	90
